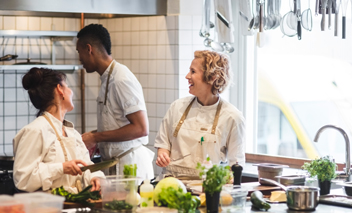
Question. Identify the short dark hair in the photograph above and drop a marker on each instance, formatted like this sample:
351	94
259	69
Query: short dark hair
40	83
95	34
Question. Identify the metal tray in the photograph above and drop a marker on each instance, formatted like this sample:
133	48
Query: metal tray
289	180
336	200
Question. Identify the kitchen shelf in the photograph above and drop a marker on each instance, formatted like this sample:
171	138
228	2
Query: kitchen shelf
32	33
63	68
54	36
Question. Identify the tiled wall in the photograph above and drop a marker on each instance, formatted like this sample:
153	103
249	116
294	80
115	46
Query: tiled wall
157	49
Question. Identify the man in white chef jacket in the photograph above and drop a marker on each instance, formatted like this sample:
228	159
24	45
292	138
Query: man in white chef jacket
122	115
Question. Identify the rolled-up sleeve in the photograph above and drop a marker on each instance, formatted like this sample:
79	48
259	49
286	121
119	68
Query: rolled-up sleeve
30	173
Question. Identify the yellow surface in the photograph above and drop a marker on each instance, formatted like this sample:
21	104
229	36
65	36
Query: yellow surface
278	196
269	94
202	199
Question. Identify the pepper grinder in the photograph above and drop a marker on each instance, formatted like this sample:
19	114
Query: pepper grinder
237	173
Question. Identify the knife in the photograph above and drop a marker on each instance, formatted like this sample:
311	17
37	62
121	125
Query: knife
108	163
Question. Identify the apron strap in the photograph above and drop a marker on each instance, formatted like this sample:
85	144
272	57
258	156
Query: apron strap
107	83
215	123
216	119
183	118
58	136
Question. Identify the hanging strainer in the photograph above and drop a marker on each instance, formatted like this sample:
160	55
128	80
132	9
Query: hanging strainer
285	25
307	22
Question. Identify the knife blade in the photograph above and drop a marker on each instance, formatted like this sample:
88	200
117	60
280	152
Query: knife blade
100	165
108	163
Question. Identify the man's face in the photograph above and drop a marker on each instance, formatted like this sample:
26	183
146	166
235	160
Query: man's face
84	56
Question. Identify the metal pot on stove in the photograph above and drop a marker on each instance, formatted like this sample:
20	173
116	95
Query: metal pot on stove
299	197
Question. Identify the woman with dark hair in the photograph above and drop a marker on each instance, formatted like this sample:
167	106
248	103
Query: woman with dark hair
49	151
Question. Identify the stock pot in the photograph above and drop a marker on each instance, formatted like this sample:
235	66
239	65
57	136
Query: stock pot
299	197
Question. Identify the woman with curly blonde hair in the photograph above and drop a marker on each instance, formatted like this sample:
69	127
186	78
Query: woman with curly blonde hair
202	125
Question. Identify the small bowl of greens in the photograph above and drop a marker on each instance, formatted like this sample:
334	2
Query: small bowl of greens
119	193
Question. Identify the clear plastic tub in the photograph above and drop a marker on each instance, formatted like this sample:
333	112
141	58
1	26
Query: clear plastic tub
233	200
9	204
41	202
119	192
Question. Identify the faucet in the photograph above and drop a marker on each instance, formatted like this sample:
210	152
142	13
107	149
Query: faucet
347	153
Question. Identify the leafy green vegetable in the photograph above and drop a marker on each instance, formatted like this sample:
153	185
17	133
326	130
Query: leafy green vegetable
82	197
177	199
216	177
117	205
130	170
323	167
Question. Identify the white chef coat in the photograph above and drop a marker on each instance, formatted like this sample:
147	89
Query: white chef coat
226	145
124	97
39	155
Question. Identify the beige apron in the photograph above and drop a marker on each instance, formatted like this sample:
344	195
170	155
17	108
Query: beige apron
194	143
70	143
104	122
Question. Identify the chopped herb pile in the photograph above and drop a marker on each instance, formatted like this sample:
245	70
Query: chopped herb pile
117	205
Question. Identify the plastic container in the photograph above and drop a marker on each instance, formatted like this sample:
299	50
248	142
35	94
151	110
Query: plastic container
119	192
233	200
146	192
9	204
41	202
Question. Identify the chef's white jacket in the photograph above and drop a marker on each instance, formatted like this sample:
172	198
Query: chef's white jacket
124	97
39	156
229	135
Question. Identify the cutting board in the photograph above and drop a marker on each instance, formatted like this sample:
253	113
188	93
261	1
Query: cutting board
255	186
250	186
69	205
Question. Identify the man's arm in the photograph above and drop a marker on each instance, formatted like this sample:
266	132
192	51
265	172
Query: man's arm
137	128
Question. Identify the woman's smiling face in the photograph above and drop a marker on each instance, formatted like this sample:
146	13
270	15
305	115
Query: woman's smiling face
197	86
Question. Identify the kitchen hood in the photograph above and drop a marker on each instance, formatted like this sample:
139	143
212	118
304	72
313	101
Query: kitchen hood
91	8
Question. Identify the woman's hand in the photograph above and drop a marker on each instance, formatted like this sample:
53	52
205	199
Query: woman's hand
95	184
72	168
163	159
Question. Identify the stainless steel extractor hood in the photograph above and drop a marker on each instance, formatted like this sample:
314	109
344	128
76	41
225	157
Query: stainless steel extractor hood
91	8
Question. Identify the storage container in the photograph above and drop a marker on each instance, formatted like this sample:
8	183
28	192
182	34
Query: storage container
9	204
289	180
233	200
269	171
41	202
119	192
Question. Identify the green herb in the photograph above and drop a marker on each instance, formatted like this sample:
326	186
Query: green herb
130	170
81	197
324	168
117	205
177	199
216	177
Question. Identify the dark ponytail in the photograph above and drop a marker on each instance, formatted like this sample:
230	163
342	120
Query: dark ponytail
40	83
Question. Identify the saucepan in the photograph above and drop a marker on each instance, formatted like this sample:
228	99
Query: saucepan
299	197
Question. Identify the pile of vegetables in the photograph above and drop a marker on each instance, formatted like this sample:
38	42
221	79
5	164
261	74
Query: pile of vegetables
82	197
177	199
172	193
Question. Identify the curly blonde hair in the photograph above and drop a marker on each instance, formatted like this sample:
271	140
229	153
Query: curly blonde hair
216	67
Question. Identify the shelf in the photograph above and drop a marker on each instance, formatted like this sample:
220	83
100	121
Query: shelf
63	68
31	33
